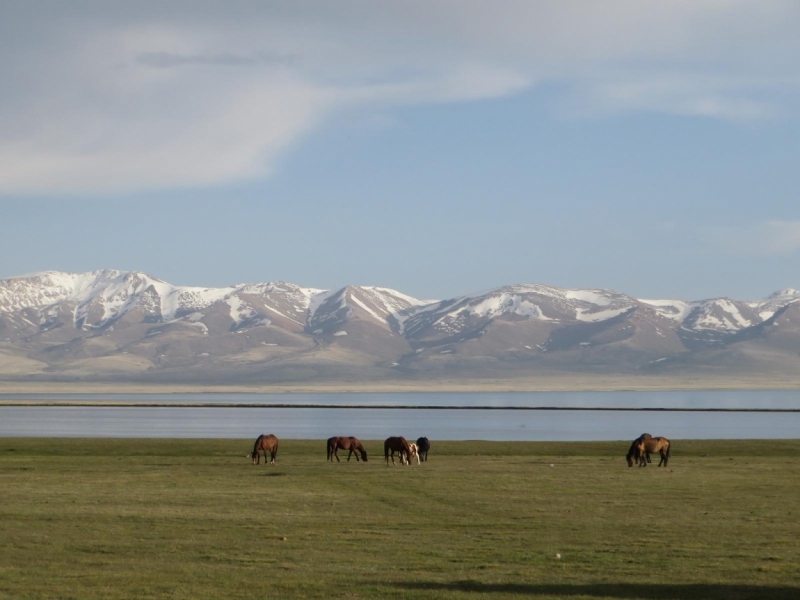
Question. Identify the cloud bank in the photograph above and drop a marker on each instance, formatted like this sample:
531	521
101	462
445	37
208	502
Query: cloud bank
105	97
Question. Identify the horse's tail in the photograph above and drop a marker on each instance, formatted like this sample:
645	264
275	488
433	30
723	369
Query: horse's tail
275	452
328	450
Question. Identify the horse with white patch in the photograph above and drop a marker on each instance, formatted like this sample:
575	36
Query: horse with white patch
413	453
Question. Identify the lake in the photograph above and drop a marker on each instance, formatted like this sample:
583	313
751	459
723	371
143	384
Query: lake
370	421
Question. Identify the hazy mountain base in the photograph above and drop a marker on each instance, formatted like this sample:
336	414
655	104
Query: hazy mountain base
125	374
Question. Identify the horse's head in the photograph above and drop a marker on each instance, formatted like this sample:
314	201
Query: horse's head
363	455
253	456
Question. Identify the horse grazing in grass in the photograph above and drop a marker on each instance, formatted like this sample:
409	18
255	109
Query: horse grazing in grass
267	443
423	445
414	454
345	443
399	445
632	451
652	445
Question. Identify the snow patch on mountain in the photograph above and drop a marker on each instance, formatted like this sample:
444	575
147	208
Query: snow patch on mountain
676	310
98	298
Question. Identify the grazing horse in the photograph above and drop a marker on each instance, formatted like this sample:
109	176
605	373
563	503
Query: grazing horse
345	443
653	445
267	443
632	451
414	454
423	445
399	445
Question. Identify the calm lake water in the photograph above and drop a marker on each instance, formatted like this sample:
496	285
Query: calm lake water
378	423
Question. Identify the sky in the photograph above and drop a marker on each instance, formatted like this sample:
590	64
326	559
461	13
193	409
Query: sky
438	148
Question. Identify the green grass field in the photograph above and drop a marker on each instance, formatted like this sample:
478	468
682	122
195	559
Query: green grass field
95	518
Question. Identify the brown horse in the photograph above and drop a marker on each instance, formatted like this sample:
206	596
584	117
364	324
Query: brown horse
345	443
632	451
267	443
399	445
653	445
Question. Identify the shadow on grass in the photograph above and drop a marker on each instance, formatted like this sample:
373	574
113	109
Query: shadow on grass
647	591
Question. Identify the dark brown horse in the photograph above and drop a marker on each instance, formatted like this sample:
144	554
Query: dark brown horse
345	443
423	445
267	443
399	445
651	446
632	451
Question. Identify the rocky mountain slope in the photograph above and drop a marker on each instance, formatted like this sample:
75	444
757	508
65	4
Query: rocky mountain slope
114	325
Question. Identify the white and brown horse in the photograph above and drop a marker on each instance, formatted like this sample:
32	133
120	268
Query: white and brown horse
414	454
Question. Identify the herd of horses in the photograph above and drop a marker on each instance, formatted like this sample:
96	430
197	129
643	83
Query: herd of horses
406	452
639	452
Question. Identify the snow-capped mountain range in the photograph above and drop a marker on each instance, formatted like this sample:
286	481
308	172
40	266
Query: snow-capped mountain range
133	322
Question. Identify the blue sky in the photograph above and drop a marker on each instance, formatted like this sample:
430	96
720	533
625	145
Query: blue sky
438	149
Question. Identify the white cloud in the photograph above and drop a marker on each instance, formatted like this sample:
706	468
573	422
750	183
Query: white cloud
108	98
681	94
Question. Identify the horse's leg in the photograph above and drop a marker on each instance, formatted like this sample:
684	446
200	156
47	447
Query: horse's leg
647	455
336	453
349	454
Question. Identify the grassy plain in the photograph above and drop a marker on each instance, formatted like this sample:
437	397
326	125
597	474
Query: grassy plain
109	519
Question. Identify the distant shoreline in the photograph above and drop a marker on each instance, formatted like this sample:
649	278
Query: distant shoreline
108	404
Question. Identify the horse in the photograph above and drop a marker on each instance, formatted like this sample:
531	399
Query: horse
414	454
653	445
423	445
267	443
345	443
632	451
396	444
